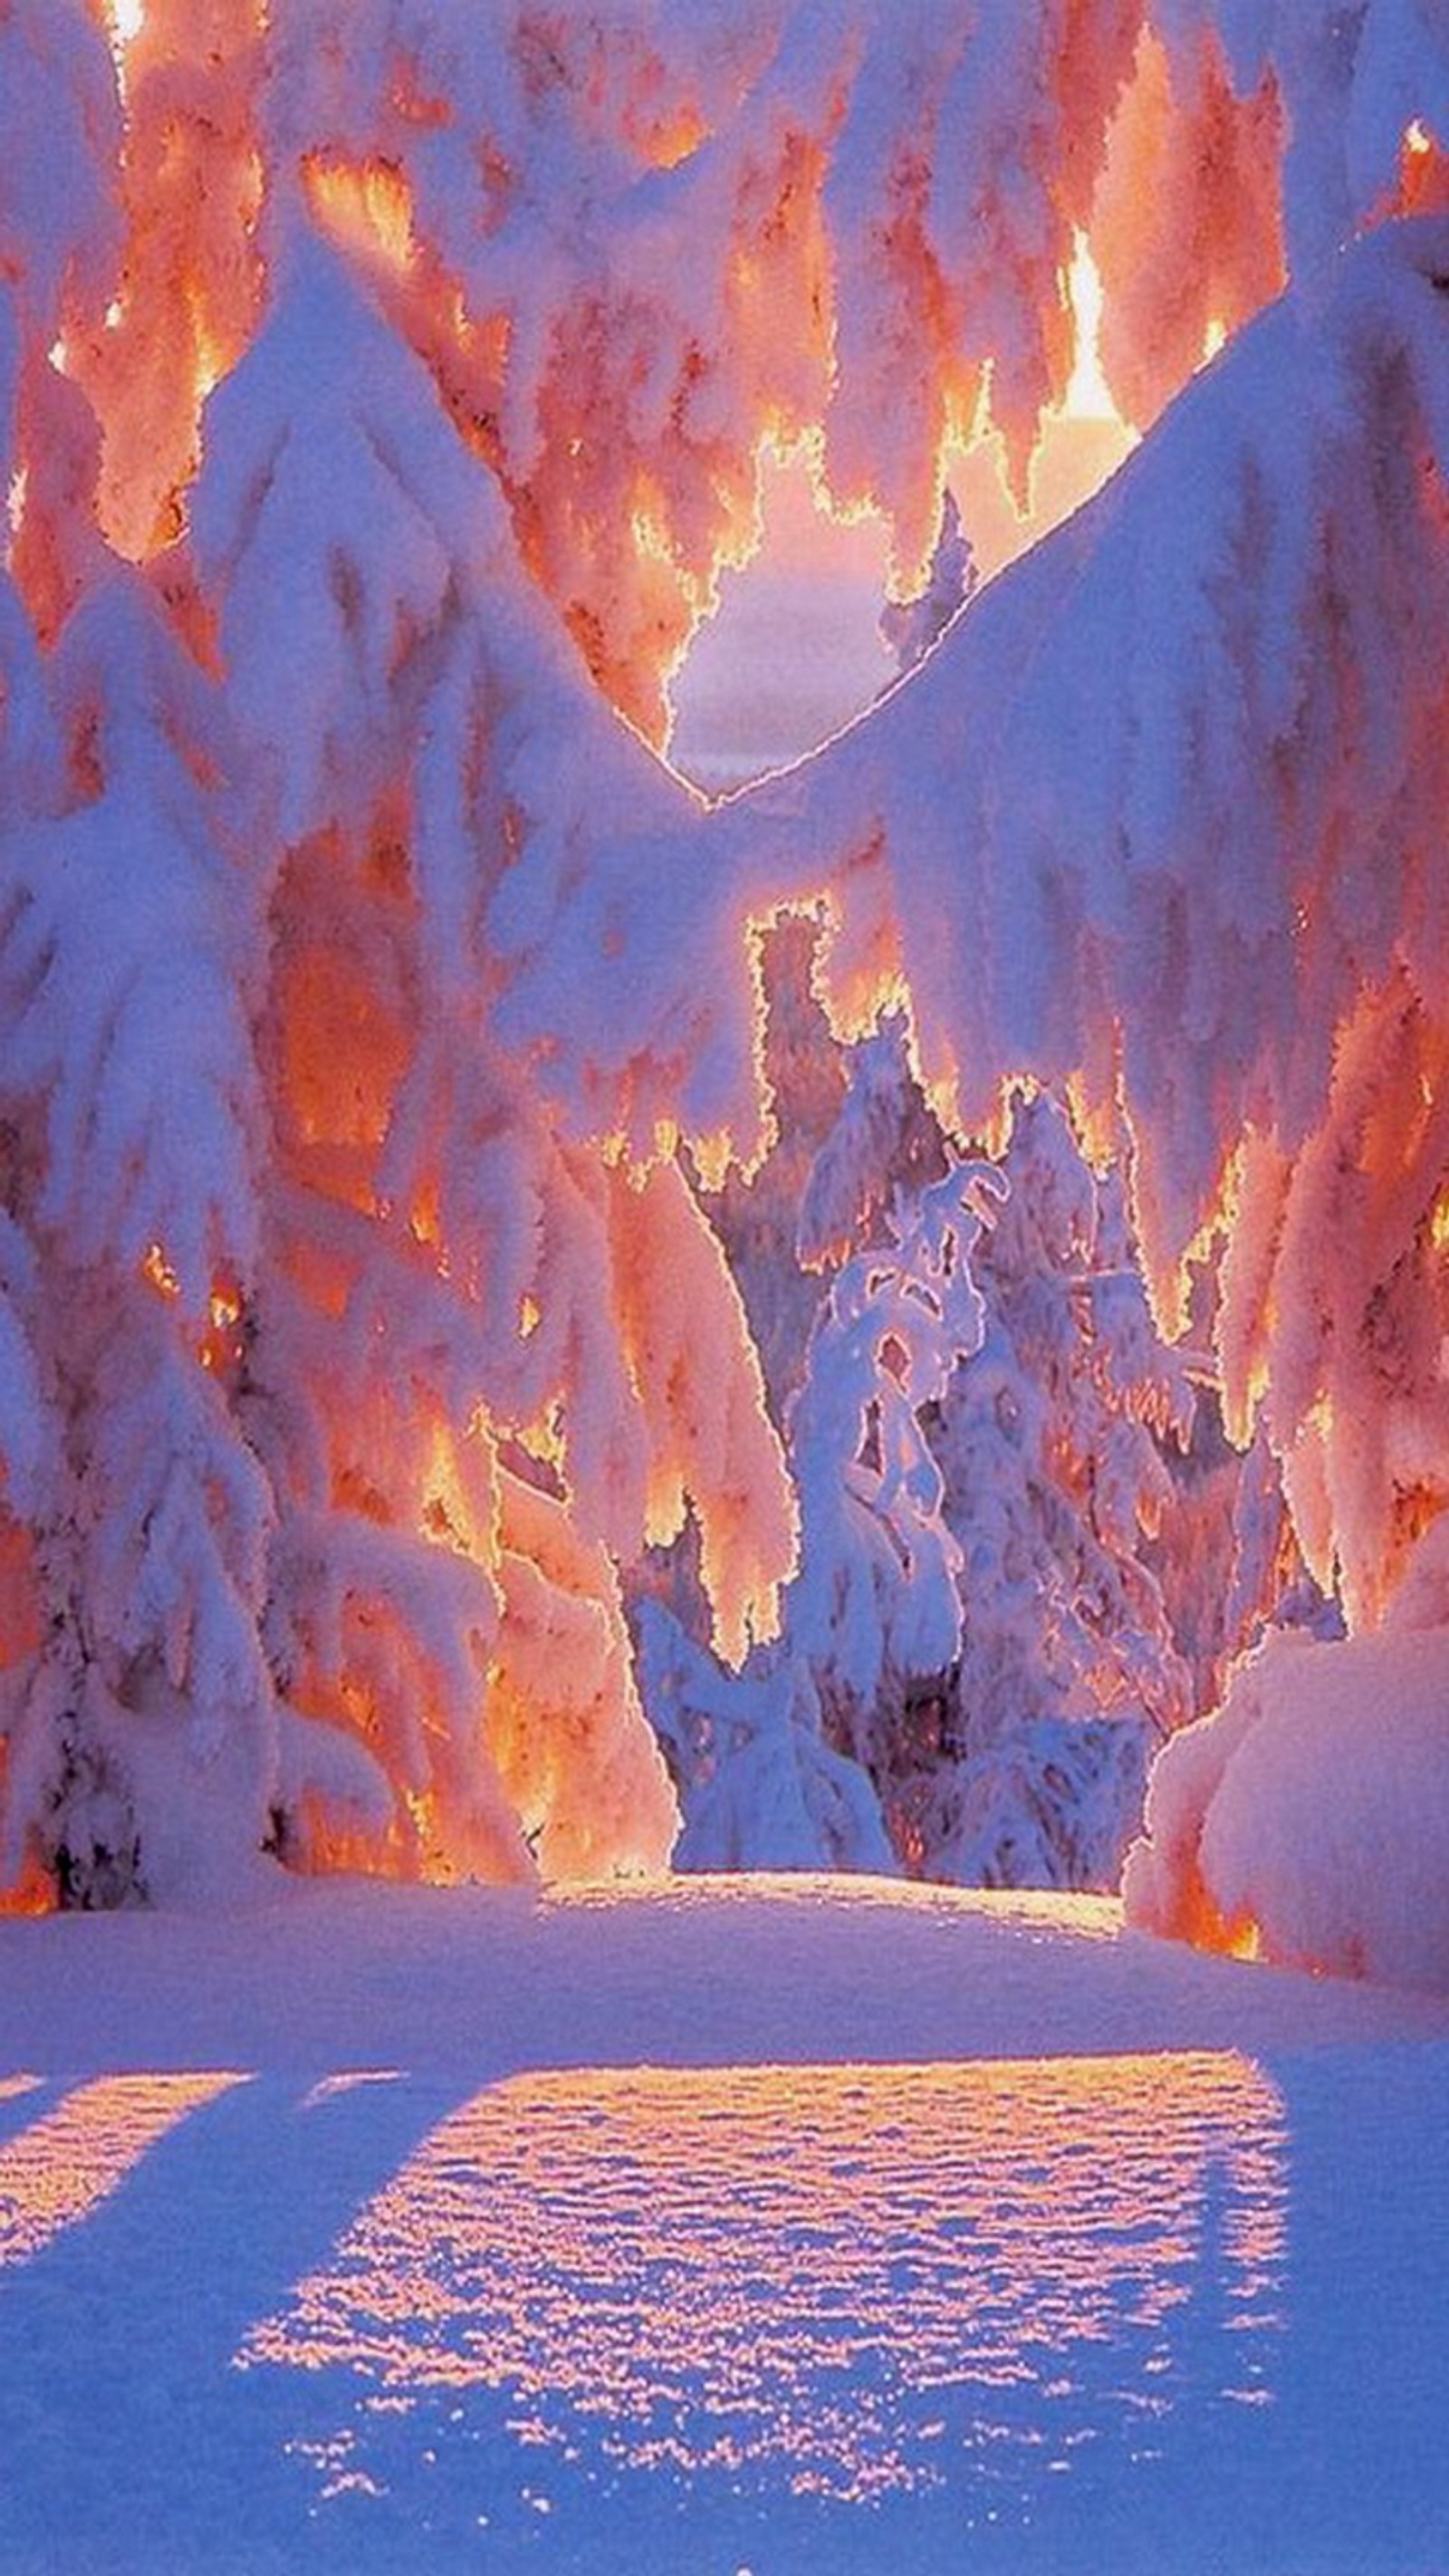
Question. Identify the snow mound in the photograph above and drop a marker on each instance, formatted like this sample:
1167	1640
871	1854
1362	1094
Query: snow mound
1307	1819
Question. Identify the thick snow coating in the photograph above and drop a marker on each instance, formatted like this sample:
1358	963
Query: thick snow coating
980	1423
383	390
1306	1819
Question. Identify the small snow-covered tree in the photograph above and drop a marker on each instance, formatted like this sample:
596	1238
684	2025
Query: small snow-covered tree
773	1762
1054	1447
1000	1669
909	627
1019	1756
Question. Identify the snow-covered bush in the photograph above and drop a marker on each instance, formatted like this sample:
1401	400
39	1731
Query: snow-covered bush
759	1786
1306	1820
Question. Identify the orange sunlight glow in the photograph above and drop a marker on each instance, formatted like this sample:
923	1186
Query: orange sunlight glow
673	137
1423	173
59	2168
460	1497
211	362
1089	396
157	1269
787	649
125	19
673	2265
33	1892
365	207
1079	448
222	1344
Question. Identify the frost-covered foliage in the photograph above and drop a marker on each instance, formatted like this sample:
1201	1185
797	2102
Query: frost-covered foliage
374	380
759	1786
273	1334
1161	817
1000	1663
879	212
337	1377
1053	1448
875	1599
1225	1555
757	1211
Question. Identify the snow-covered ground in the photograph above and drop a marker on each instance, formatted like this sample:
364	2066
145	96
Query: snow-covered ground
782	2225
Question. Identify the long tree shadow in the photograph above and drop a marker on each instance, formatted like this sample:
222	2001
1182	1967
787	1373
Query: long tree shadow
128	2438
1362	2483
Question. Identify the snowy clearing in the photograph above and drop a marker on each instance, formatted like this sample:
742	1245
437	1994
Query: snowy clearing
782	2225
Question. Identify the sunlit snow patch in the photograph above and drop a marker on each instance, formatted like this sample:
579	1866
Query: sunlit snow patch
851	2283
64	2163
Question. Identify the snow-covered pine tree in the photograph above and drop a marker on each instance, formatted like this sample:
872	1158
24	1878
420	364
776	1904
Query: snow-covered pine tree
1010	1746
773	1762
1052	1446
339	1375
997	1663
910	626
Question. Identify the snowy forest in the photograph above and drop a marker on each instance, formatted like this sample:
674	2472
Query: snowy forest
895	1319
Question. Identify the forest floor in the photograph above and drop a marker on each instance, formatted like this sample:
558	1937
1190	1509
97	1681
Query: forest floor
721	2226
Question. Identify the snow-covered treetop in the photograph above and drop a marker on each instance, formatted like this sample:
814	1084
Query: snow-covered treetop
634	240
1161	821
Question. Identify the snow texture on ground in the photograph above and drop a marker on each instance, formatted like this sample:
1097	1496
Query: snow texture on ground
720	2226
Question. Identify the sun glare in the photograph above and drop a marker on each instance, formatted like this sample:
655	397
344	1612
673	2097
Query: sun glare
366	207
125	19
1089	396
157	1269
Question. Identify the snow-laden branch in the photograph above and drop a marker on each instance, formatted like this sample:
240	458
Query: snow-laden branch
1166	804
